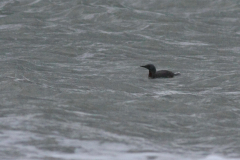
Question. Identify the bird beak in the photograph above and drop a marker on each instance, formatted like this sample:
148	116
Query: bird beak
143	66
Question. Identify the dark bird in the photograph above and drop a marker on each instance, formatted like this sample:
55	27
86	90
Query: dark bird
159	74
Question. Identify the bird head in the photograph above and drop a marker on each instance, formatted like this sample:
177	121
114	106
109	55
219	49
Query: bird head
150	67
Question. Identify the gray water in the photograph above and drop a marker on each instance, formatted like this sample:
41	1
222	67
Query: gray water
71	85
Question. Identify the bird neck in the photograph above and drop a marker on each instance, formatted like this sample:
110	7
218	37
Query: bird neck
151	74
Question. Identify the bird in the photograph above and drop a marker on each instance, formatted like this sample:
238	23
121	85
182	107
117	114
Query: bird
153	73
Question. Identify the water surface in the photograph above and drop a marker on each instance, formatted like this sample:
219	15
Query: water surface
72	86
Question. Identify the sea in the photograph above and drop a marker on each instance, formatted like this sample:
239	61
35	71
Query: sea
71	85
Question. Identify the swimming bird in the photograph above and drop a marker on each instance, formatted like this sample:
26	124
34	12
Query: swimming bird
153	73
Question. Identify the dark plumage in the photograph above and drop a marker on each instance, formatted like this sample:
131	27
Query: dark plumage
159	74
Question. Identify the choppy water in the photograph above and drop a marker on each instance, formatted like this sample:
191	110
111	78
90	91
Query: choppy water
71	86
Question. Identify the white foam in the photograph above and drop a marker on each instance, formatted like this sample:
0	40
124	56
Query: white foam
97	150
188	43
85	56
10	26
217	157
